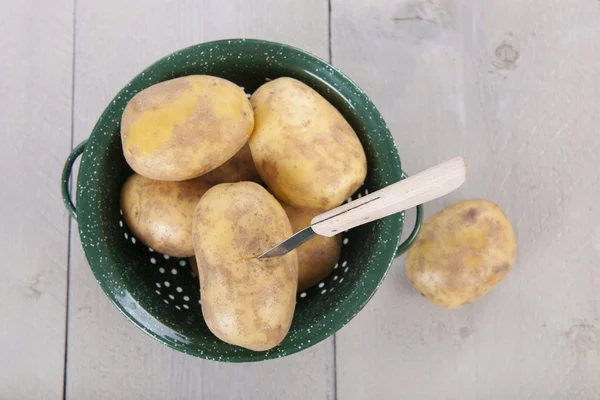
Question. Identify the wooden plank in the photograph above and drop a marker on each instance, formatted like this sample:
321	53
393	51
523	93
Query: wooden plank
513	86
107	356
35	109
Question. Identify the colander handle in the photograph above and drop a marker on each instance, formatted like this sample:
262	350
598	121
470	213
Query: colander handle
410	240
66	174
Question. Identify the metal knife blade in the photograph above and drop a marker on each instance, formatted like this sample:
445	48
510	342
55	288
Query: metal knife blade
290	243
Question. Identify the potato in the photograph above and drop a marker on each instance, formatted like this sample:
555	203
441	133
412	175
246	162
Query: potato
461	253
160	213
185	127
317	257
238	168
303	148
245	301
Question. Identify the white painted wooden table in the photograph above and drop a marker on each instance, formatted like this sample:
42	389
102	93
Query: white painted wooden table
513	85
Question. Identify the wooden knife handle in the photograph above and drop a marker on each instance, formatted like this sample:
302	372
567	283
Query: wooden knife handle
420	188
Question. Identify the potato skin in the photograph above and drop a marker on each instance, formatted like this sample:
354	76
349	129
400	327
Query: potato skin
317	257
160	213
245	301
182	128
238	168
303	148
461	253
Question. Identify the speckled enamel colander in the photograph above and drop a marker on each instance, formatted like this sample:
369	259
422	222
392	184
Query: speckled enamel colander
158	293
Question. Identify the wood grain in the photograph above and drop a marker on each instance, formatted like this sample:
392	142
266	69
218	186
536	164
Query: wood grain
35	110
107	356
514	87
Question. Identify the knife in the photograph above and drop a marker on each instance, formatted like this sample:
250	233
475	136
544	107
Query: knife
425	186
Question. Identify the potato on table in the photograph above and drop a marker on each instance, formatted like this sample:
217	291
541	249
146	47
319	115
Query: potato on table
461	253
182	128
238	168
245	301
317	257
303	148
160	213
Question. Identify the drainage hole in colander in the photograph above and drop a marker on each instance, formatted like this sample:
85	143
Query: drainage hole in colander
158	285
186	298
336	265
179	289
172	297
120	223
161	270
126	236
182	263
303	294
174	271
166	256
321	284
346	240
133	240
153	260
323	291
167	283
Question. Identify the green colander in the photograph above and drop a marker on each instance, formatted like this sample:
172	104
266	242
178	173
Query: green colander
159	293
